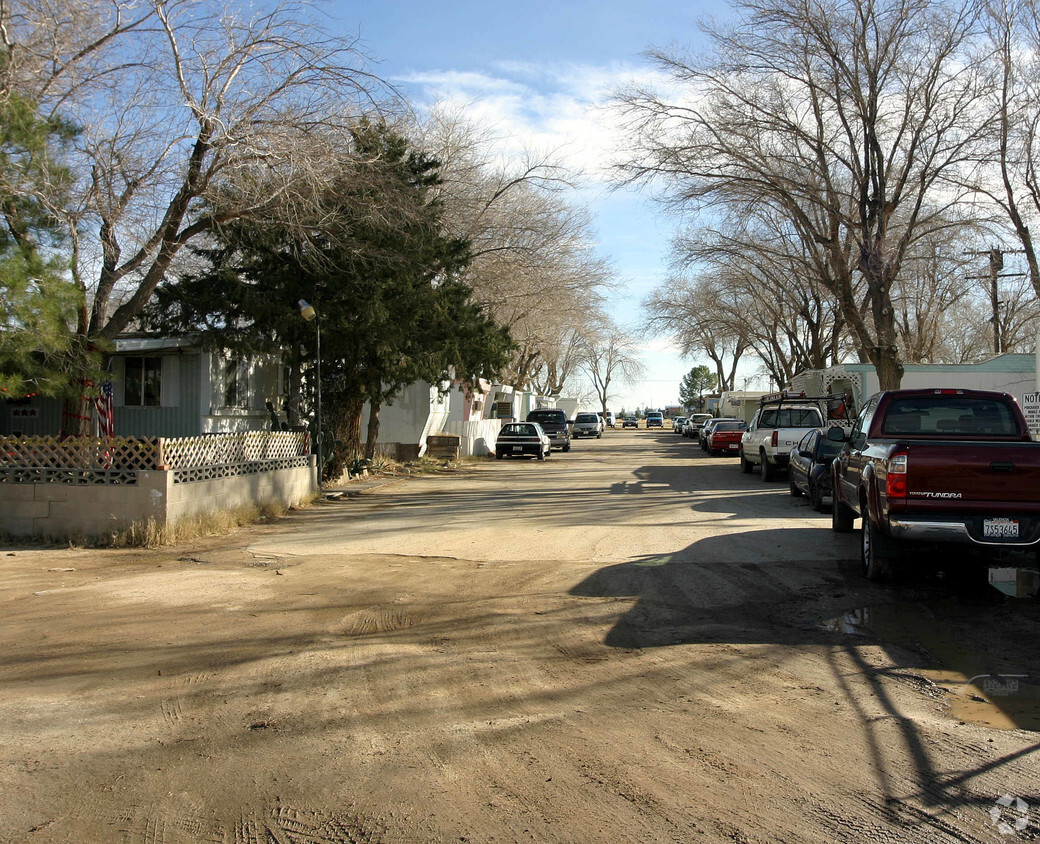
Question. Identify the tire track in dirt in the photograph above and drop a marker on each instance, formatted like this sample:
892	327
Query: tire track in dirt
286	824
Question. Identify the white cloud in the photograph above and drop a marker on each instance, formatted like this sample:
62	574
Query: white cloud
560	108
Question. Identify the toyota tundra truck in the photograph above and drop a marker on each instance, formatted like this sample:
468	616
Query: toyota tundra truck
776	428
937	466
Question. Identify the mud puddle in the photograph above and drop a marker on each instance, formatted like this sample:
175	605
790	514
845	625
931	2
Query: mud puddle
980	651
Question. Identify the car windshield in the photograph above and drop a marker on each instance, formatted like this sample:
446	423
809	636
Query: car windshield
791	417
556	416
730	426
519	430
948	415
587	417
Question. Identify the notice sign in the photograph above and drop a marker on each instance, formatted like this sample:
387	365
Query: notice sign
1031	408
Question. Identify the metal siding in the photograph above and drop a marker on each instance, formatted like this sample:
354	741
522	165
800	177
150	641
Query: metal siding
182	420
47	422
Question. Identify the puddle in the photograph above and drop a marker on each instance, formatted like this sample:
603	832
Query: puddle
981	653
1017	583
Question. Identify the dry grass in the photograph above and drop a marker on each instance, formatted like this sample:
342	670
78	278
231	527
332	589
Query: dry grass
149	534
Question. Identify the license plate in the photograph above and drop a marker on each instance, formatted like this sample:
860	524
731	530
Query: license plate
1000	528
734	446
518	448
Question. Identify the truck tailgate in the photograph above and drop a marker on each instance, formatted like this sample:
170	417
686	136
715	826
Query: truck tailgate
997	473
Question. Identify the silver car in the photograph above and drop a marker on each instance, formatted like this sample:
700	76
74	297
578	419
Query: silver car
587	425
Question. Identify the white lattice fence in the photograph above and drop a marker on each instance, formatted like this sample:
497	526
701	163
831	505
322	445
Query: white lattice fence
223	449
46	455
124	453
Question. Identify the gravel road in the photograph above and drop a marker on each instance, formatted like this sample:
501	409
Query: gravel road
629	642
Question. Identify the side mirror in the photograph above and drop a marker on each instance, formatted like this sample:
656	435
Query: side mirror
836	434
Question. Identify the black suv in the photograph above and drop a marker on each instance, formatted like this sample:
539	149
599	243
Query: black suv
554	422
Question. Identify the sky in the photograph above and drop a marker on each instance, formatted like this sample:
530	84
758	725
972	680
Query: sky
540	73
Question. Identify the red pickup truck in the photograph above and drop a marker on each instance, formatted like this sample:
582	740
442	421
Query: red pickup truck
937	466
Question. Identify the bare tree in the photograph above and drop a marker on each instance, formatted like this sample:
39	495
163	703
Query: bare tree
764	287
534	266
193	113
687	313
848	117
1009	173
610	358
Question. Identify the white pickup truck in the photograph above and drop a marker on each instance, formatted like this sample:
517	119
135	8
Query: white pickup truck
775	429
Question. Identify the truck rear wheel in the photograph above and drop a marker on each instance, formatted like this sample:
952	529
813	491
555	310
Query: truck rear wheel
768	469
877	553
842	518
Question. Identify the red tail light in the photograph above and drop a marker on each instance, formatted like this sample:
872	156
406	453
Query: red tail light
895	482
776	437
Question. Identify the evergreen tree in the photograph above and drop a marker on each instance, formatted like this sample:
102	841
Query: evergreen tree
37	304
695	384
382	276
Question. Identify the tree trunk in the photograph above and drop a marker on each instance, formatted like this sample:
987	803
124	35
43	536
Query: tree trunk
373	430
351	428
76	417
889	368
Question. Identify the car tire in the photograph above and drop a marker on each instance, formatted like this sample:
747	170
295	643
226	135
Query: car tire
875	552
842	517
599	436
795	491
746	466
541	454
767	468
567	447
816	497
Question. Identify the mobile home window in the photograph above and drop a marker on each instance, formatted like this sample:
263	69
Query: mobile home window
142	381
236	383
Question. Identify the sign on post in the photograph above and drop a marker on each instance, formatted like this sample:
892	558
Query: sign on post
1031	408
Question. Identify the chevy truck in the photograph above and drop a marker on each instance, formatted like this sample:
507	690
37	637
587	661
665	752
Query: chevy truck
776	428
937	466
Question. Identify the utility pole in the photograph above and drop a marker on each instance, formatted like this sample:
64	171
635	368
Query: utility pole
996	264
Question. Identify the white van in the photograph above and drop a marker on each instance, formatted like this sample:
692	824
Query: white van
609	419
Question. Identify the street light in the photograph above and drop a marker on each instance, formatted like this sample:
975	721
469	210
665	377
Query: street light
311	315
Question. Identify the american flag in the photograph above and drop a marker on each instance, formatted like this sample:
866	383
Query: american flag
105	413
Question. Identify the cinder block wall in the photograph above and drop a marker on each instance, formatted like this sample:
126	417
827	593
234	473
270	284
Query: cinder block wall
58	511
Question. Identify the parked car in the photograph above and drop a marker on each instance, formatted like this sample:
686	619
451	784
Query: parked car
724	437
654	419
518	439
775	429
587	425
937	466
809	468
678	423
705	429
693	425
556	425
630	422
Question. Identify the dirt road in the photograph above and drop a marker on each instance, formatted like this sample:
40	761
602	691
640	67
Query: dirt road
629	642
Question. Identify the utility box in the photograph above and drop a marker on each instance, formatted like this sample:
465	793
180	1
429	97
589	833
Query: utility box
443	446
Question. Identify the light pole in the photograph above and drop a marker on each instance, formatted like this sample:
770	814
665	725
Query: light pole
309	314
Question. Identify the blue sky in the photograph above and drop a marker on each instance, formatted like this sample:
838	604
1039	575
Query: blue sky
540	72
